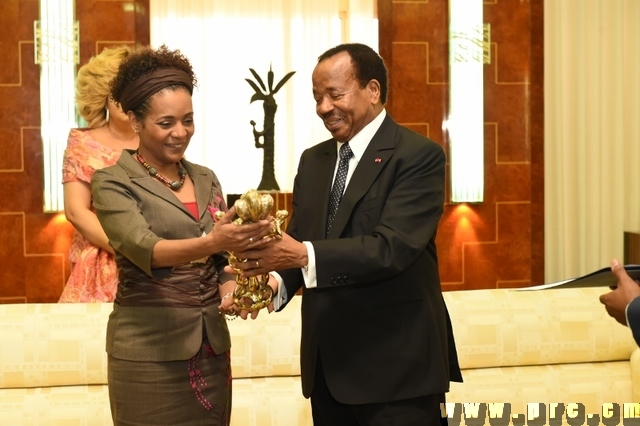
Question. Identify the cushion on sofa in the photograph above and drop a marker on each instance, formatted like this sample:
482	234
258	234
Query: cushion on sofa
506	327
56	406
267	346
53	344
265	364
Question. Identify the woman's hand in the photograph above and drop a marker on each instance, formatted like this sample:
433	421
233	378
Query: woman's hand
226	236
228	305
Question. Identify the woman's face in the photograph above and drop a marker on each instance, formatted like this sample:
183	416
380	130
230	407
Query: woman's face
166	131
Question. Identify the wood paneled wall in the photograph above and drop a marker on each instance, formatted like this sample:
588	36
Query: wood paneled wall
498	243
34	245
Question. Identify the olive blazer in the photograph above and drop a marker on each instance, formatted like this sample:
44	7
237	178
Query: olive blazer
377	318
158	314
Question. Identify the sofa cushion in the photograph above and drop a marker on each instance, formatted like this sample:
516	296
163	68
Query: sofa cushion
269	345
506	327
54	366
270	401
53	344
591	384
56	406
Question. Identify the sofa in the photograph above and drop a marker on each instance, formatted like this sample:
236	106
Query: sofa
516	347
53	366
549	347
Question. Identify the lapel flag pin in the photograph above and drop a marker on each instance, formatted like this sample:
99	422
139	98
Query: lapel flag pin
378	160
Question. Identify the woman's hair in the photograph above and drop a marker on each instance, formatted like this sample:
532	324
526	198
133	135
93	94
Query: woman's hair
92	84
146	63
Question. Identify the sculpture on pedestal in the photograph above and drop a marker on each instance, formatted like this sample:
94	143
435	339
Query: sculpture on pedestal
265	94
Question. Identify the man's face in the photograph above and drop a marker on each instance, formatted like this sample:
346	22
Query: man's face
344	107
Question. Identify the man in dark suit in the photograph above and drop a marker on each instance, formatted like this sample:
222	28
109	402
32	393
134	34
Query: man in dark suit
623	303
377	344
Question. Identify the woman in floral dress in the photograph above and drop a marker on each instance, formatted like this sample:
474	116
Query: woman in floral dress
94	276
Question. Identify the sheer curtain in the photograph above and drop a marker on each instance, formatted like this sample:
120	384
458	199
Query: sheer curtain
223	39
592	132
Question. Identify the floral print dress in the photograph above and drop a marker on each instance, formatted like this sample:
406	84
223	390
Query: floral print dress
94	275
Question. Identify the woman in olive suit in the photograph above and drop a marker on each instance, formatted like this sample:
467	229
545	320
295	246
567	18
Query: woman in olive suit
167	339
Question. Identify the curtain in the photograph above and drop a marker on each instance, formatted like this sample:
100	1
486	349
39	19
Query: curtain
223	39
592	132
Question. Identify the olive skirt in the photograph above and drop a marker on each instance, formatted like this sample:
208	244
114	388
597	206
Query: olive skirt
193	392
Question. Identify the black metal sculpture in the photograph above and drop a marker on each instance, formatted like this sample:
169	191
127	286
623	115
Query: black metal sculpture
268	181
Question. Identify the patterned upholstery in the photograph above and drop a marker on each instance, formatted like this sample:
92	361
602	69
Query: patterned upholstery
518	347
53	344
506	327
550	346
268	346
53	366
265	362
56	406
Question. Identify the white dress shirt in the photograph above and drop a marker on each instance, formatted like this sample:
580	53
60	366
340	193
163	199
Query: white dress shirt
358	145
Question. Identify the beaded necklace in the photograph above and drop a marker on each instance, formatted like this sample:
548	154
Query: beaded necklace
153	172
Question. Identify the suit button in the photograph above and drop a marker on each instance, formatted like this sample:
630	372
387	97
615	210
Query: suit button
204	310
202	226
202	287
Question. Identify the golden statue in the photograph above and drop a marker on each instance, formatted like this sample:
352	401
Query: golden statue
253	293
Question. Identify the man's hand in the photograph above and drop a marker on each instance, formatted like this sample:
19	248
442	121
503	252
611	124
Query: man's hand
616	301
280	253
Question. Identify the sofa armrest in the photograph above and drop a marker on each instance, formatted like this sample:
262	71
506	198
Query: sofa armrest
634	366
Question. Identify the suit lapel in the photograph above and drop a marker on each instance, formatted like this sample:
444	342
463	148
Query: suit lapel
373	161
139	176
320	189
204	190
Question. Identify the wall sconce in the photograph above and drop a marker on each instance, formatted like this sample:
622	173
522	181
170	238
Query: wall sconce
469	50
57	52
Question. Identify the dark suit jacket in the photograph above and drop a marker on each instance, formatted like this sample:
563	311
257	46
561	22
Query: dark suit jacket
153	320
377	318
633	318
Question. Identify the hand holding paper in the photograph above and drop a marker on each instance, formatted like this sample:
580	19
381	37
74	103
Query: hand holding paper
616	301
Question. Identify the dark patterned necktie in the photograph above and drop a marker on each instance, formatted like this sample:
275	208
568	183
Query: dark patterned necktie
338	183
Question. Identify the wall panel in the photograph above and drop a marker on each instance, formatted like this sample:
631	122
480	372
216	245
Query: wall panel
500	242
33	253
